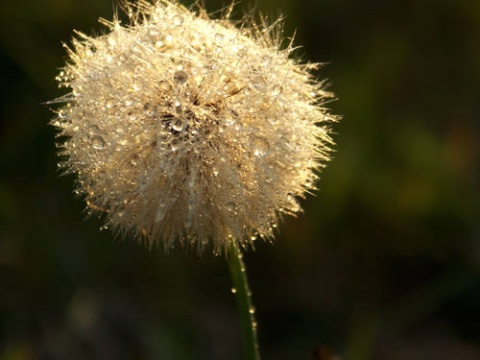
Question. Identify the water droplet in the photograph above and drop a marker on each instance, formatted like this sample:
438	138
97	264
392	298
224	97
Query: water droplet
277	90
238	126
293	204
154	32
180	77
98	142
259	82
151	110
160	213
132	116
94	129
231	206
211	65
62	114
133	161
234	290
230	121
175	145
219	37
259	153
266	59
128	102
177	20
260	146
178	124
109	103
251	310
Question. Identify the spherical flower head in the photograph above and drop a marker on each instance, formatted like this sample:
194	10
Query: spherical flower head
181	128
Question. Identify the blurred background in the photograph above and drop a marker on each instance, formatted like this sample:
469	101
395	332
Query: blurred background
383	264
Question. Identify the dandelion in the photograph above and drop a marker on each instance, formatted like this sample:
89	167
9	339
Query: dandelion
184	129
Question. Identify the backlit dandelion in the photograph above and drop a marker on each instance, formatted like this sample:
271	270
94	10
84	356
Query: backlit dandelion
184	129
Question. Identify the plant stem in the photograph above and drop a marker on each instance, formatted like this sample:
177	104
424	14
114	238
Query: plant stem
244	302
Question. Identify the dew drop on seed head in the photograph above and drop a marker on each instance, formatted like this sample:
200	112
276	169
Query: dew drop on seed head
260	146
180	77
266	60
175	145
132	116
160	214
219	37
109	103
210	65
277	90
178	124
94	129
259	153
234	290
177	20
231	206
188	223
62	114
153	32
230	121
98	142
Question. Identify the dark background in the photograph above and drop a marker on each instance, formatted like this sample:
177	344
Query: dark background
384	264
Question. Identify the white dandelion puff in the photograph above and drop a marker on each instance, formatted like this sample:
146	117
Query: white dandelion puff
185	129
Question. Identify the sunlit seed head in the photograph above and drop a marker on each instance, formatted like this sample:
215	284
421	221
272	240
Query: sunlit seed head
184	129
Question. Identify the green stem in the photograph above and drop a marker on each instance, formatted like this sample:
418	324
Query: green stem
244	302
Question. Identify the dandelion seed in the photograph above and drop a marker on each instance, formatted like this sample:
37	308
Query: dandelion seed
205	131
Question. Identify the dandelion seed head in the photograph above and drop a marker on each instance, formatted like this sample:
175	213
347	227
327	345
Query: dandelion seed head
185	129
